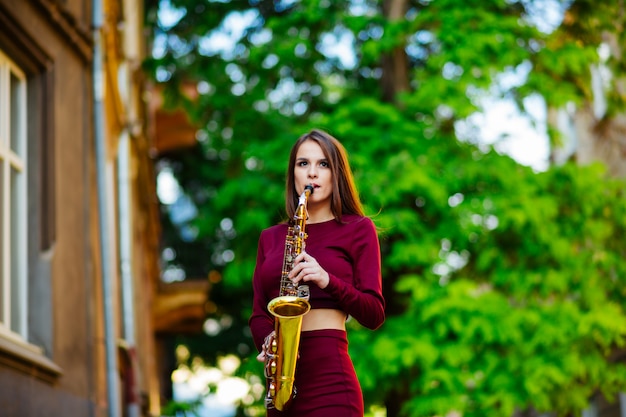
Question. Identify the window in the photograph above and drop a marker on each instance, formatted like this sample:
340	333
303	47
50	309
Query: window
13	200
27	202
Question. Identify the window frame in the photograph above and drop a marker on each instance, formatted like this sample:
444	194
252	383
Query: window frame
14	208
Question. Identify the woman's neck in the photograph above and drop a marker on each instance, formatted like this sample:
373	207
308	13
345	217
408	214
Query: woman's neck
319	214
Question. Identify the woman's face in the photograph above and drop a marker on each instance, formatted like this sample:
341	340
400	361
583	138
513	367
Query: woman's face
313	168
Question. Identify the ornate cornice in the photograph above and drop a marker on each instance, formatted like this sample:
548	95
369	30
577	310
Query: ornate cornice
76	34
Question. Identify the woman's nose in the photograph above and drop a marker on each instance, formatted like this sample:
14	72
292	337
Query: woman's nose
312	171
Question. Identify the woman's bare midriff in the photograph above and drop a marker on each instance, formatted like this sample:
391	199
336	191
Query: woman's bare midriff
324	318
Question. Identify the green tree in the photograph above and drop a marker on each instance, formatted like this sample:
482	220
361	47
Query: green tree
504	286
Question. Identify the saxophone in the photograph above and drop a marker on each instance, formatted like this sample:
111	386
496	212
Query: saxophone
288	309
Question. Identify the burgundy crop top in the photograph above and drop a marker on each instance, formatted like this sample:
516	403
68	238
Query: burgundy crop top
348	251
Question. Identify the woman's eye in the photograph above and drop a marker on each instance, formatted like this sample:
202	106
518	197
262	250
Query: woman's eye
324	164
302	163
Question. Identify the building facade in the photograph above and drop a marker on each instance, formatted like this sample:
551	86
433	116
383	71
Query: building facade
80	294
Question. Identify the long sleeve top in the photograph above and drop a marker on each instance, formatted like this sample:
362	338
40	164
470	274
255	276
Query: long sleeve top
349	251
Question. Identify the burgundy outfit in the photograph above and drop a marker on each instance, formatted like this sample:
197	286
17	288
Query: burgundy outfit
326	383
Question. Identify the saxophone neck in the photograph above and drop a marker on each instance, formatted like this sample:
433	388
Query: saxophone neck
308	190
301	209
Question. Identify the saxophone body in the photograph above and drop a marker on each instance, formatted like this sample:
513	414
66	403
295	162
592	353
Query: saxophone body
288	309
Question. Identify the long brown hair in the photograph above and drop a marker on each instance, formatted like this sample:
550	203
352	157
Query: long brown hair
345	198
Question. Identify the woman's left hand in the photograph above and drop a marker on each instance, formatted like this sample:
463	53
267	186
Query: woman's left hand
307	269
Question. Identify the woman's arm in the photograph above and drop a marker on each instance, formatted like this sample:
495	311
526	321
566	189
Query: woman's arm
364	301
261	322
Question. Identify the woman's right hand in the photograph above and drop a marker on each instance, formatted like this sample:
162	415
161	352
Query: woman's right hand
268	341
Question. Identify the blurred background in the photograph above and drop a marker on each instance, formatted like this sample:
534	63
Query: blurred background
143	148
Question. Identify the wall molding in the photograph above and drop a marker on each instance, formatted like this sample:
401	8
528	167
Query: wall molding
27	359
77	35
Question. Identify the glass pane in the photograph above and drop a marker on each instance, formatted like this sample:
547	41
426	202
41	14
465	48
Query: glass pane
18	251
3	104
2	240
16	112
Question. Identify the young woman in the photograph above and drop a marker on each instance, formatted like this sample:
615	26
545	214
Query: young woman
340	264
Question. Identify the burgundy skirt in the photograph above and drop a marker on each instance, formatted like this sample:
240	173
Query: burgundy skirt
326	383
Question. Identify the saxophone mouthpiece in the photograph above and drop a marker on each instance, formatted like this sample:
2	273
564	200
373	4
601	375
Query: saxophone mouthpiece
310	188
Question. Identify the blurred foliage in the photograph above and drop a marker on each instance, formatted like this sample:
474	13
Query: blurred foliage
504	286
181	408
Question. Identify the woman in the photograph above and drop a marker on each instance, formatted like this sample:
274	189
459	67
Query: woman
341	265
